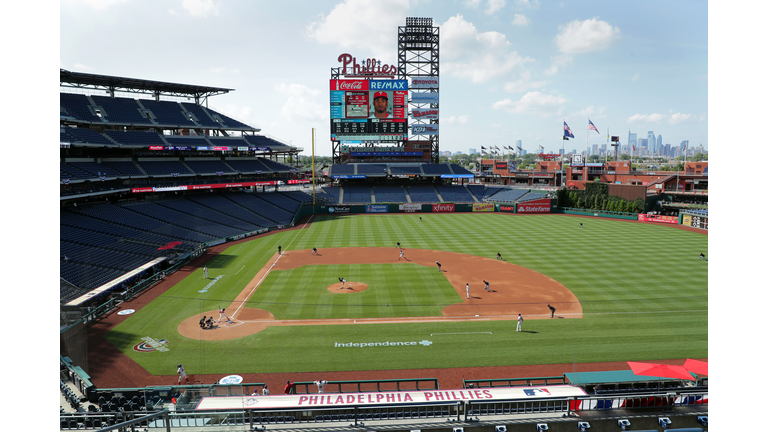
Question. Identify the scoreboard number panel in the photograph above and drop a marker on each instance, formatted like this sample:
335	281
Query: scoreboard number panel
352	110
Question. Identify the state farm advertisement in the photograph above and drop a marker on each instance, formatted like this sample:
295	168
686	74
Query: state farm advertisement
535	206
443	208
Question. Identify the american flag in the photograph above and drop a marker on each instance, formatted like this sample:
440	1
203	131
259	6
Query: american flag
633	147
592	126
567	131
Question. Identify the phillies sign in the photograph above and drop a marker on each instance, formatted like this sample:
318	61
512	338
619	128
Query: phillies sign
371	67
443	208
535	206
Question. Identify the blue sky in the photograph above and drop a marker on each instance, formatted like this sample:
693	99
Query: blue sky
509	69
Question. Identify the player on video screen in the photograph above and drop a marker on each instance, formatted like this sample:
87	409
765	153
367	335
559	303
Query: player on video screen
380	102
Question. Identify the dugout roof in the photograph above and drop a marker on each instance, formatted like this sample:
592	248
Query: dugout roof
608	377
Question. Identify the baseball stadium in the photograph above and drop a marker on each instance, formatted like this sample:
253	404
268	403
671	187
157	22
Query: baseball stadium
209	282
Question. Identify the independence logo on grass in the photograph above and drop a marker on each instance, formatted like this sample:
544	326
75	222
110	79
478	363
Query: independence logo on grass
371	344
151	344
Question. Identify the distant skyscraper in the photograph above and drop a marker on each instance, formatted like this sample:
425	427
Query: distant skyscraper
651	142
659	144
472	151
594	149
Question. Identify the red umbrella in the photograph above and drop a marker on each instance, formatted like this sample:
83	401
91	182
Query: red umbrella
660	370
697	367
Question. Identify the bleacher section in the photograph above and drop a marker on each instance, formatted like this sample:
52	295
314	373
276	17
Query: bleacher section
423	194
164	168
209	166
507	195
533	196
452	193
261	207
127	168
238	216
342	170
357	194
248	165
389	194
76	105
436	169
405	170
201	116
457	169
136	138
88	136
120	110
372	170
276	166
94	169
333	192
167	113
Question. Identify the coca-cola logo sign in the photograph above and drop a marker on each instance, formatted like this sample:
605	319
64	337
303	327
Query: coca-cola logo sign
443	208
369	67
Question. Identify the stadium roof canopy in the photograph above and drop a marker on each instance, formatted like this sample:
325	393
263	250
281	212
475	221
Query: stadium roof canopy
134	85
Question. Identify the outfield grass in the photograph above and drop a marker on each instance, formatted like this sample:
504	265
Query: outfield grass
642	288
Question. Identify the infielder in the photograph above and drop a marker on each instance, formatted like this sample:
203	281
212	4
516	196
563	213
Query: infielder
487	285
205	272
438	265
701	256
551	309
519	322
398	245
498	255
314	251
182	374
467	291
402	254
279	249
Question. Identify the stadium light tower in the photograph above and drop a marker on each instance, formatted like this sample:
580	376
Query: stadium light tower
418	56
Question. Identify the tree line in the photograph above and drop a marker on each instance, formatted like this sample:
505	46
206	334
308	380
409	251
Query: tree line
595	196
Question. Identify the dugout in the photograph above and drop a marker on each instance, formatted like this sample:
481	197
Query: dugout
625	381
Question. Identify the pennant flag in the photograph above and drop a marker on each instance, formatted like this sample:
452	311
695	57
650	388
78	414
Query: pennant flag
219	173
66	181
567	131
482	148
175	174
633	147
102	178
258	171
592	126
541	147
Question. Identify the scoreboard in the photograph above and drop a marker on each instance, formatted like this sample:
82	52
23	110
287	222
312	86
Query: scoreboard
356	116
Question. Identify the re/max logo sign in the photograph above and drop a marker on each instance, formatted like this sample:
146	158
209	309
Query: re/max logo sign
388	84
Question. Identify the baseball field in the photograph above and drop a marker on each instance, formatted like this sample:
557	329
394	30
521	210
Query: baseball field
622	291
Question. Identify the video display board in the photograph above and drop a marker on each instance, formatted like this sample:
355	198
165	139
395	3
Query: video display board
365	111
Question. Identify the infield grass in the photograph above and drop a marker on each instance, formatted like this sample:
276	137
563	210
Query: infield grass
642	288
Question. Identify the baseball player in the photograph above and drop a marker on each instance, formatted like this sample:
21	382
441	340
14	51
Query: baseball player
701	256
402	254
279	249
498	256
202	322
320	384
342	280
205	272
581	225
398	245
467	291
519	322
487	285
438	265
314	251
265	392
182	374
222	315
551	309
419	218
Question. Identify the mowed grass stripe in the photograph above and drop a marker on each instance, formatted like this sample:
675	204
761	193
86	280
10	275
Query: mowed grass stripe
643	290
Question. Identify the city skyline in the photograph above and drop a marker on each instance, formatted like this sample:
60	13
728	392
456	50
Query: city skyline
509	70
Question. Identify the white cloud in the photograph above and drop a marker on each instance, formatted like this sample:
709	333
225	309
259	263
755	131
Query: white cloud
350	25
586	36
523	84
476	56
494	6
200	8
521	20
81	67
636	77
217	70
533	103
671	118
456	120
302	103
527	4
558	62
473	4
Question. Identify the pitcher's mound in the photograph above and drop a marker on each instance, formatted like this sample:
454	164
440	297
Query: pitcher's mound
349	287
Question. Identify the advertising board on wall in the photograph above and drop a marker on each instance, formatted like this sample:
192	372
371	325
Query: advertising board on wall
376	208
657	218
425	97
483	207
506	208
425	129
535	206
696	221
425	113
409	208
338	209
443	208
425	82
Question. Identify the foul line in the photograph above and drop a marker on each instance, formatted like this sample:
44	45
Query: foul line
270	268
241	268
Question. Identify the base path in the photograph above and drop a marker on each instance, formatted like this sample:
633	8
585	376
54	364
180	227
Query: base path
513	289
